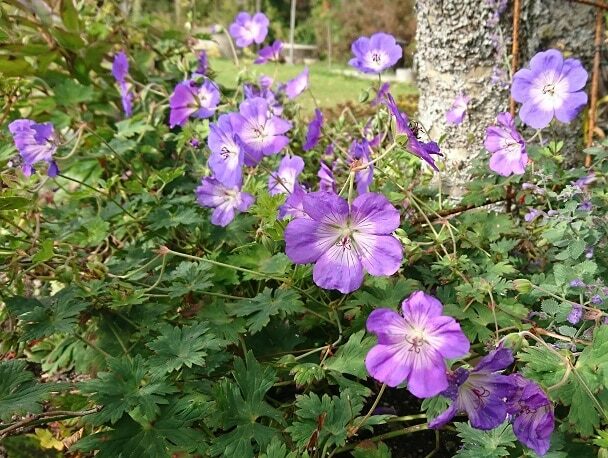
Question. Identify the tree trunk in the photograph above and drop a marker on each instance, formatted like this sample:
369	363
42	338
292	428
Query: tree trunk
456	53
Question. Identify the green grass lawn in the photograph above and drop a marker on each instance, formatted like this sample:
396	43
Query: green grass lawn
329	88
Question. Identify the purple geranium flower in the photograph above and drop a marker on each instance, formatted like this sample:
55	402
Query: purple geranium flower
227	157
375	54
507	146
532	415
203	64
294	204
414	347
584	181
189	99
261	132
314	131
458	110
381	94
264	91
296	86
284	180
226	200
551	87
247	29
343	241
271	53
35	143
480	392
327	181
359	155
424	151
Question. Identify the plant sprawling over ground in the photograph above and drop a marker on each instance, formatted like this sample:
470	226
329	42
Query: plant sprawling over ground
195	270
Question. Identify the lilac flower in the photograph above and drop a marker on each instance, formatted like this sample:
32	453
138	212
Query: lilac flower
414	347
575	315
35	143
284	180
120	70
344	242
329	151
327	182
226	200
294	204
551	87
532	415
584	181
261	132
480	392
585	206
359	155
203	64
227	157
507	146
589	252
577	283
376	53
247	29
195	143
458	110
271	53
532	214
314	131
296	86
188	99
424	151
597	299
381	94
120	67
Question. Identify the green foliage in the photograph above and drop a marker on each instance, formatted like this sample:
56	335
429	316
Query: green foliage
485	444
19	391
178	347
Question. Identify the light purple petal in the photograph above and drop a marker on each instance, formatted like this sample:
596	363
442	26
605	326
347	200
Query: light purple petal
380	254
338	268
388	325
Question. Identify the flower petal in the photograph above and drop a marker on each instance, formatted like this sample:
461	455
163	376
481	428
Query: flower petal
338	268
380	254
387	364
388	325
374	214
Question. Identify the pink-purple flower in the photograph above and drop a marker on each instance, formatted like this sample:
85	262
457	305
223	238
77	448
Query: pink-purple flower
285	178
313	134
190	99
532	414
359	154
270	53
376	53
262	133
551	87
247	29
480	393
296	86
294	205
327	182
203	64
227	157
344	241
120	70
35	143
458	110
507	146
226	201
413	348
424	150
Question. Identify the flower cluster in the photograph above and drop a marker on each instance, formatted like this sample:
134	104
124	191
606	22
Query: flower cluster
35	143
413	348
551	88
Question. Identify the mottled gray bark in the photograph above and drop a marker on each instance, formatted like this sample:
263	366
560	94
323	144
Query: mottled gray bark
456	53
